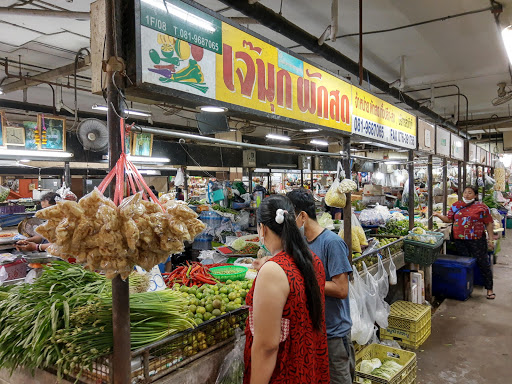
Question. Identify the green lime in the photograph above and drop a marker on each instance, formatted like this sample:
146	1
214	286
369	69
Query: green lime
216	312
226	300
230	307
207	316
243	294
216	303
201	310
199	315
198	320
209	307
192	308
229	282
232	296
199	295
223	290
238	300
184	288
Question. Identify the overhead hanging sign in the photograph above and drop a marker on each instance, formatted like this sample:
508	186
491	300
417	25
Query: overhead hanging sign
185	49
442	142
379	120
457	147
426	136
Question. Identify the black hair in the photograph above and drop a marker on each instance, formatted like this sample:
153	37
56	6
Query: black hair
294	245
50	197
303	200
475	190
178	190
152	187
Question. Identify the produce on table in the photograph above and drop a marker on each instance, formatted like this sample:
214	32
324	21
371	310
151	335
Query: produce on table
153	316
400	227
420	235
189	275
384	242
4	193
250	249
368	260
238	244
210	301
325	220
115	239
31	314
489	200
217	207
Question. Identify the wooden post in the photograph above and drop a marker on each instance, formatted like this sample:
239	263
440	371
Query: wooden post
445	185
459	179
347	211
464	176
430	187
120	288
411	189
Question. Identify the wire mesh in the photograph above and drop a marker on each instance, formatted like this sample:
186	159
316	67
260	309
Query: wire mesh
163	357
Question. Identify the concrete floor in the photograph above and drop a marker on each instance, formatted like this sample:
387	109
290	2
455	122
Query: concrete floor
471	341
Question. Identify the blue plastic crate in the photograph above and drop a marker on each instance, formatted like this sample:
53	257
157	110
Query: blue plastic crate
452	277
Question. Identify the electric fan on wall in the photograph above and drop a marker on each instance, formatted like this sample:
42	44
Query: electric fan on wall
93	135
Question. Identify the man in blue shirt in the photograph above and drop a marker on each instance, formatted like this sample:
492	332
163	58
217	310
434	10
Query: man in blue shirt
333	252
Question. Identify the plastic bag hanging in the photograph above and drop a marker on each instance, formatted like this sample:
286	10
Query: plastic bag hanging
333	197
392	270
180	178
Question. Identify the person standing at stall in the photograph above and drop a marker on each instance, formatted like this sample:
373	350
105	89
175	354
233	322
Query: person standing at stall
38	242
286	340
333	252
470	219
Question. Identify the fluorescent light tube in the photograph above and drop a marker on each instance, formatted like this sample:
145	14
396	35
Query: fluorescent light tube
506	35
310	130
213	109
319	142
26	153
133	112
277	137
148	159
182	14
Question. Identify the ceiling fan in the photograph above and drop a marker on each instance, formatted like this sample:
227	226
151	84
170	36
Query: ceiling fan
504	94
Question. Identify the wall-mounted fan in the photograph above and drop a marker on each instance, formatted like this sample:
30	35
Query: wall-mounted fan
504	94
93	135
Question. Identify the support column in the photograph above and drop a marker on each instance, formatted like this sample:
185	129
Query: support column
445	185
250	180
301	178
484	171
459	180
347	211
185	186
67	174
269	183
312	167
120	288
464	176
410	167
430	186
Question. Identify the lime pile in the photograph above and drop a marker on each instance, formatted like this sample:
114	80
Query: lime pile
210	301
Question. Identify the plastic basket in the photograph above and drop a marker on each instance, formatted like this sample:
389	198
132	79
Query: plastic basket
432	239
407	375
409	316
406	343
238	273
418	252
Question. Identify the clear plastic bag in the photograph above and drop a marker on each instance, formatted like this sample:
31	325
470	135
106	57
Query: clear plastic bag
382	279
333	198
180	178
378	308
371	217
392	272
232	369
362	323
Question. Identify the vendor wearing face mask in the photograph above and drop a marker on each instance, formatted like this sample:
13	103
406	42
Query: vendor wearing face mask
470	219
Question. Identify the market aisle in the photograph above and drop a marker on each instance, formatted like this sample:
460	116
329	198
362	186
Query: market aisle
471	341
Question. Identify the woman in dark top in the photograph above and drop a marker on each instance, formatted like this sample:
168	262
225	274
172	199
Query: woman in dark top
470	219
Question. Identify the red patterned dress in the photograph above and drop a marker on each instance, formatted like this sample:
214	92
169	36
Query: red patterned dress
302	355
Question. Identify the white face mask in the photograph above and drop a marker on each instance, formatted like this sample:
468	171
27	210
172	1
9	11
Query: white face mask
467	201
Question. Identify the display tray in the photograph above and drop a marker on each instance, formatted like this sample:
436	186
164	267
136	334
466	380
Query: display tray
7	238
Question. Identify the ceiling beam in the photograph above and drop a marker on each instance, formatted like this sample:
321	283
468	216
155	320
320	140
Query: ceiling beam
279	24
45	13
48	76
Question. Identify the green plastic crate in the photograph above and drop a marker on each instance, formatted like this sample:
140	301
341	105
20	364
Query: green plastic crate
417	252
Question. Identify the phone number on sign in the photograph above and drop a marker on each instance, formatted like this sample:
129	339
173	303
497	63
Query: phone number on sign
196	39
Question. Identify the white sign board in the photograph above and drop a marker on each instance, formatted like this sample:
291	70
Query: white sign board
472	157
442	142
426	137
457	147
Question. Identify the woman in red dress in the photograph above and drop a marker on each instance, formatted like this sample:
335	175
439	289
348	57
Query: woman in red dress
286	338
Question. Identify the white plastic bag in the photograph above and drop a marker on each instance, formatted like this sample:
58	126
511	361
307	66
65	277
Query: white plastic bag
232	369
362	322
180	178
392	272
382	279
378	308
